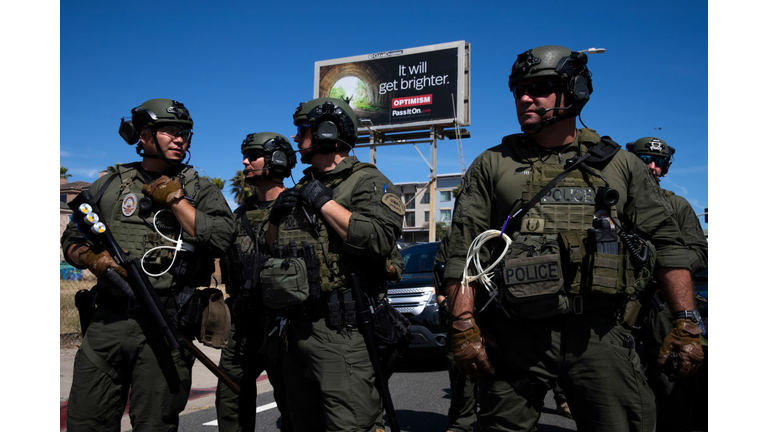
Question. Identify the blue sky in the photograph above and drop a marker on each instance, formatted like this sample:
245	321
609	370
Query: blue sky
72	69
243	67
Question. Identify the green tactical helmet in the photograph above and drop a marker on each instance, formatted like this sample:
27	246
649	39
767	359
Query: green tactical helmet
153	113
652	149
331	120
279	156
566	67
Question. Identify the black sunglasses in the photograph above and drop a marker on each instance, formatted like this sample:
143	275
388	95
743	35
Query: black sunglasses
301	126
176	132
660	161
534	89
254	154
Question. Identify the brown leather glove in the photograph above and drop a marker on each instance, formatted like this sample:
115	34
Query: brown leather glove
468	349
164	190
684	342
98	261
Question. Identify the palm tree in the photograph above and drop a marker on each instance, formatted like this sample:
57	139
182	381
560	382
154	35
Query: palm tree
63	172
241	190
113	169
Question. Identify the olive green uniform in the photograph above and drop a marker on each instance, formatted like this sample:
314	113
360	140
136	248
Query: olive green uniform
582	346
675	399
122	354
246	356
328	374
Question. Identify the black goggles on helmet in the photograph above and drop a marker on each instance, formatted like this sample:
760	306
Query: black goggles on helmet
534	89
660	160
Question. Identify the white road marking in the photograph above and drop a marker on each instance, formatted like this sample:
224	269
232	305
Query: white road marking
268	406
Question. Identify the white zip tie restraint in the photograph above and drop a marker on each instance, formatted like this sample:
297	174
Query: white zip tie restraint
176	248
473	257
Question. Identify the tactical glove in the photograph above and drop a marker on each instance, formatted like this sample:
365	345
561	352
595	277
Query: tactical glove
98	261
316	194
683	344
468	349
164	190
284	203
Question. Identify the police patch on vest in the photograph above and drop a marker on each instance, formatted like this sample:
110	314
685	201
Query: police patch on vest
129	205
569	195
245	244
529	271
393	202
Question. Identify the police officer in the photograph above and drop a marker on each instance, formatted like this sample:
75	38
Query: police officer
148	204
268	159
675	397
350	215
560	211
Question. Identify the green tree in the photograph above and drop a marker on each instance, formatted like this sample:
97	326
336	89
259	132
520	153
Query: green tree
241	190
113	169
63	172
338	93
217	181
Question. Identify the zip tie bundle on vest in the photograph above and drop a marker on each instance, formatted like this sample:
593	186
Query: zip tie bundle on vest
179	243
473	257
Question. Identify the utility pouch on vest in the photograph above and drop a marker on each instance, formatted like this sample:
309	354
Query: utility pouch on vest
341	310
206	317
607	268
534	280
284	282
630	312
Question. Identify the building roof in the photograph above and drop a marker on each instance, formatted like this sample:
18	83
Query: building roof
75	185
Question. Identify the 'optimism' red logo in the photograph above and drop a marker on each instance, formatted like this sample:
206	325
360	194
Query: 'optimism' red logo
410	101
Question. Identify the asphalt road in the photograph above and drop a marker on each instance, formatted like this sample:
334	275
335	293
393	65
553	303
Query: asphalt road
421	397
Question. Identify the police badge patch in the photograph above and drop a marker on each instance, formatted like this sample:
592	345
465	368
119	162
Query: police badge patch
393	202
129	205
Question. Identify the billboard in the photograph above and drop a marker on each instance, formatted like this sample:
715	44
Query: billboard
403	89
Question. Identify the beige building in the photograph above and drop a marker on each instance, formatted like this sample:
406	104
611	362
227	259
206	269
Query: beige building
415	196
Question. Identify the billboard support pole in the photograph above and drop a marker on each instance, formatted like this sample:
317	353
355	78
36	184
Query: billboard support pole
372	149
433	182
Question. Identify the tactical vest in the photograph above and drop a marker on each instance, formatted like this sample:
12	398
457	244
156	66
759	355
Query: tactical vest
133	229
240	266
557	250
311	228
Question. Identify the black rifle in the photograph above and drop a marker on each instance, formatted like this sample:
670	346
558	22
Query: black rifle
365	326
86	215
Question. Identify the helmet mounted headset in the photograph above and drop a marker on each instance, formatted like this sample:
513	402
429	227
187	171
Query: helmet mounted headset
155	114
331	121
568	70
279	156
651	149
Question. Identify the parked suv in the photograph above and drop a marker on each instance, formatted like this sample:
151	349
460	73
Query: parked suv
414	297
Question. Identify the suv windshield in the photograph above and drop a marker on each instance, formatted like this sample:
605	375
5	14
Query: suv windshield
419	258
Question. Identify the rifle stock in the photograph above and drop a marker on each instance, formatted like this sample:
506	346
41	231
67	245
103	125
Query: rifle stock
147	296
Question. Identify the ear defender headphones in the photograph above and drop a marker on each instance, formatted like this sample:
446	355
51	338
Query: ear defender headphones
279	157
579	86
331	124
128	130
